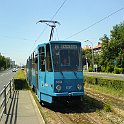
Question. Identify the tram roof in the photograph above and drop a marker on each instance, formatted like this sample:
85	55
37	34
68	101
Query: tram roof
59	41
62	41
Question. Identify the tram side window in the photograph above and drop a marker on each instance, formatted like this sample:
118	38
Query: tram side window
48	59
42	59
33	60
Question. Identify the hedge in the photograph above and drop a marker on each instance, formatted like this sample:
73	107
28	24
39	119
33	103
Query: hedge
110	83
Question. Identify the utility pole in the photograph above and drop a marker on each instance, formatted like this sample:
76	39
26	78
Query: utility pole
86	64
92	54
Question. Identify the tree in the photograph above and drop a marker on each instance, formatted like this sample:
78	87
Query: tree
113	49
86	53
2	62
106	55
117	44
112	52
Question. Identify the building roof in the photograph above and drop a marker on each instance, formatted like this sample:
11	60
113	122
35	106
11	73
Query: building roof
99	46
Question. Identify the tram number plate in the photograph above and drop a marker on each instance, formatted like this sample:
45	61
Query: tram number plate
68	87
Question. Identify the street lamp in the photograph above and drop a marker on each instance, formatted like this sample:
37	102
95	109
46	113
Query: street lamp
92	54
86	64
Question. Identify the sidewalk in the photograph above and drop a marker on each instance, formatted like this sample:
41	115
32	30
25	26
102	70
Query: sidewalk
22	109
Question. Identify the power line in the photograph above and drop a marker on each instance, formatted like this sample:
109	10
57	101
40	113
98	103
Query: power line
94	23
9	37
46	26
59	9
51	19
57	34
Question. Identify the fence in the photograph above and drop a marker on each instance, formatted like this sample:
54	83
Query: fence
5	94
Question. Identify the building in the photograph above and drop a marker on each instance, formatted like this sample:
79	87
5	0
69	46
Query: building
97	49
12	63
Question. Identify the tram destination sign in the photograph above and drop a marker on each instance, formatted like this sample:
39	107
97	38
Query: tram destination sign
66	46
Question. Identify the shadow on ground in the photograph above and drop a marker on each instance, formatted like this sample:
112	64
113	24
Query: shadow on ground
12	109
20	84
87	105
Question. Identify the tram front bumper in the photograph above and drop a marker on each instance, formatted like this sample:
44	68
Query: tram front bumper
69	94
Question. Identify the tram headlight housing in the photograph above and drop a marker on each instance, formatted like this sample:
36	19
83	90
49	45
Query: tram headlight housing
58	87
79	86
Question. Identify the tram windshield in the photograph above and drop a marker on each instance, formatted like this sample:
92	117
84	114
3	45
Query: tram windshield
66	57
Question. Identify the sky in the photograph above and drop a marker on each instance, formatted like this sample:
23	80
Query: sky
19	33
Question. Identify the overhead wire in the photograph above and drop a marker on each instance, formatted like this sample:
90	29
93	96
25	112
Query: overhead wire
46	26
51	19
57	34
95	23
59	9
19	38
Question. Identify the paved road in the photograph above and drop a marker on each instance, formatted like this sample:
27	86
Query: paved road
105	75
5	77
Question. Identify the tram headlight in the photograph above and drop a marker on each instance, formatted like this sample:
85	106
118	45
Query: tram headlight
79	87
58	87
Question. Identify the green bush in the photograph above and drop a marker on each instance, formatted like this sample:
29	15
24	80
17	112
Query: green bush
118	70
109	83
99	69
121	70
110	68
84	67
90	69
102	68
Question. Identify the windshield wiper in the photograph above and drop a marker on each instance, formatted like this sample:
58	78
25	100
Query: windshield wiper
75	74
62	73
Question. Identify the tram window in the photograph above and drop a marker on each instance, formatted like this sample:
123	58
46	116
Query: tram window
64	58
48	58
42	59
35	59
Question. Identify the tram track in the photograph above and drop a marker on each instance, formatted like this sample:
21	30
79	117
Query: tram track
77	115
106	98
63	118
89	117
71	115
92	119
116	104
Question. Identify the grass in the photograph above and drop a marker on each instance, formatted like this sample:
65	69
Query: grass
20	82
20	75
107	107
106	90
39	106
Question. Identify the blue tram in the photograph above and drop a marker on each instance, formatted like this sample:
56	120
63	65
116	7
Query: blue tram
54	71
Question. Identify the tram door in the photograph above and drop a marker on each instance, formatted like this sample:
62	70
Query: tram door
36	71
42	61
45	65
